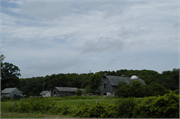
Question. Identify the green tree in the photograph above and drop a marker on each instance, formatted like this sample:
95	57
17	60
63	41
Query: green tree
123	91
9	75
94	82
78	92
121	83
138	89
155	88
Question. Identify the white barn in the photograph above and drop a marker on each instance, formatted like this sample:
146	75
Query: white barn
10	92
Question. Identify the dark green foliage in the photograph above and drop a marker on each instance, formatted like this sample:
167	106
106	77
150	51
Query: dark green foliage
35	105
5	98
154	89
94	82
123	91
137	89
10	75
166	106
125	107
34	85
121	83
78	92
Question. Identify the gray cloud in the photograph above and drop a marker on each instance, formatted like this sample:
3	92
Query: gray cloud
44	67
16	41
45	10
103	44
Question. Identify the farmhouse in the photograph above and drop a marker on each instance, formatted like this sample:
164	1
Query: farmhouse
45	94
64	91
109	83
10	92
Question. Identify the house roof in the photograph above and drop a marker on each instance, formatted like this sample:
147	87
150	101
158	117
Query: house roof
66	89
8	90
114	80
44	92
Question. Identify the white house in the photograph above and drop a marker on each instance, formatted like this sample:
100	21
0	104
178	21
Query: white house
45	94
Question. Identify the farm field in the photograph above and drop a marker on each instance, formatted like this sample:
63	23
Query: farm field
86	106
69	101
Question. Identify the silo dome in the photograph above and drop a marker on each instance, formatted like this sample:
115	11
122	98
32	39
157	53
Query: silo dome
134	77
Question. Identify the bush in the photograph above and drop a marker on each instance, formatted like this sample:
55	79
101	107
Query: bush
78	92
125	107
35	105
166	106
123	91
5	98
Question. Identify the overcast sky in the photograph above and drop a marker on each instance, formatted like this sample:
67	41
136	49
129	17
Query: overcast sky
44	37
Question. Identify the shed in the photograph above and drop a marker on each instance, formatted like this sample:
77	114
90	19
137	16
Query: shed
64	91
110	83
10	92
45	94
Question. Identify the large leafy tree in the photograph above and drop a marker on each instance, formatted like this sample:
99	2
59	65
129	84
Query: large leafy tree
9	75
95	81
138	89
123	91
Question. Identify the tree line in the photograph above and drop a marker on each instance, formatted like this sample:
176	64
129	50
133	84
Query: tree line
89	81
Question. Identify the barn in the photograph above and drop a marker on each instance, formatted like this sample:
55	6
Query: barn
110	83
64	91
10	92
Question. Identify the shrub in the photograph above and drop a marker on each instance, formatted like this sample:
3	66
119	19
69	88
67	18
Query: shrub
125	106
35	105
5	98
123	91
166	106
96	110
78	92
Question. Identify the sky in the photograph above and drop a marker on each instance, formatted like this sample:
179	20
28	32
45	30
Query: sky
45	37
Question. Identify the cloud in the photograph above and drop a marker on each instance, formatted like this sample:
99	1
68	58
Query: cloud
16	41
44	67
102	44
45	10
47	36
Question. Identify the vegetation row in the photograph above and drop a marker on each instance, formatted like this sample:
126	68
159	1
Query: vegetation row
166	106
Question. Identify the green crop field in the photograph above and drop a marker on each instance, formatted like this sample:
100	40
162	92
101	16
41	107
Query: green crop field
69	101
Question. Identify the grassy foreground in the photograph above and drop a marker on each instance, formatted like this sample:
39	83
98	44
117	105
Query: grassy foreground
70	101
30	115
166	106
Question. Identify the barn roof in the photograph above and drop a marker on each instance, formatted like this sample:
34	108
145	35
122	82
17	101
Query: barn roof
115	79
8	90
66	89
142	81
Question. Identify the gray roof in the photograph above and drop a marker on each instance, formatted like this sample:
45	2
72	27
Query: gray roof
142	81
114	80
66	89
44	92
8	90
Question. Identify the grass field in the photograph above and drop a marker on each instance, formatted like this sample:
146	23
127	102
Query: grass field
30	115
69	101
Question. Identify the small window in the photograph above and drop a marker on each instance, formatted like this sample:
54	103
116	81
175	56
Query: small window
54	92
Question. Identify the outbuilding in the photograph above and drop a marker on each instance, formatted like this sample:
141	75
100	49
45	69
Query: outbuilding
64	91
45	94
11	92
